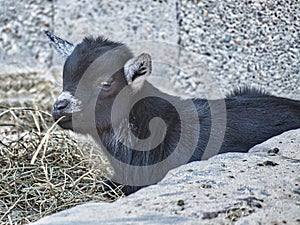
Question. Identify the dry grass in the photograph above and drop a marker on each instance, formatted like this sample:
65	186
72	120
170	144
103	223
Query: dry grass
43	169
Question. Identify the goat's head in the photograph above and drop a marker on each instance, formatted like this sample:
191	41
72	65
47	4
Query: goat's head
94	73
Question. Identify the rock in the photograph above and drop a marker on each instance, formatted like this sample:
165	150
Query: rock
226	188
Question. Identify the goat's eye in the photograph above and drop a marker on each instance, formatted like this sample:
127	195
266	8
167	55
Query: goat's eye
105	85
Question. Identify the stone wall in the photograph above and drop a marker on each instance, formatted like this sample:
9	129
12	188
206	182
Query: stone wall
251	42
25	55
222	44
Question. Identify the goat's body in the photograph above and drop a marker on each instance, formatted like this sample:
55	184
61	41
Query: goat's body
254	119
251	117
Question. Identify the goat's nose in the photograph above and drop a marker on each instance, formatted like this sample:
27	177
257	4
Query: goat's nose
61	104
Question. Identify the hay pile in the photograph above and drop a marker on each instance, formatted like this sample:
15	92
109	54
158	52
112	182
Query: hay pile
43	169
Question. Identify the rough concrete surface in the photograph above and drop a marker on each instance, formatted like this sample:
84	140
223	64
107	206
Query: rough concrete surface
146	26
241	43
22	26
208	44
250	188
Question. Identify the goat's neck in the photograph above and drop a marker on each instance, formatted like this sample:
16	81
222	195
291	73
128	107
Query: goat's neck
132	130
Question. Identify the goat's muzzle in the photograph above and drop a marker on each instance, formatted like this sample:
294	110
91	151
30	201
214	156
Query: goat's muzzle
60	109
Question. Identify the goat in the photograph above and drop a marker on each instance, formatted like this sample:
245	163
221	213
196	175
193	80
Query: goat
146	132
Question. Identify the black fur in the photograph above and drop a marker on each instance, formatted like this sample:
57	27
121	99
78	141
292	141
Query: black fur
252	117
248	91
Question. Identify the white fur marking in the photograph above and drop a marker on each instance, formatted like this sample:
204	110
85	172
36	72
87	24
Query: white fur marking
74	105
130	68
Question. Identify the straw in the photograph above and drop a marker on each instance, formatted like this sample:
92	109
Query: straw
44	169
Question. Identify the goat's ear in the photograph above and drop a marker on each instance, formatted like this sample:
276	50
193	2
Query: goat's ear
64	47
140	66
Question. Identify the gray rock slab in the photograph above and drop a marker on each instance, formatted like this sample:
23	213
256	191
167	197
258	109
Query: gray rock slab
249	188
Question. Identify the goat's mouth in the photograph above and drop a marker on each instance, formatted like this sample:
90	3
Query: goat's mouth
64	122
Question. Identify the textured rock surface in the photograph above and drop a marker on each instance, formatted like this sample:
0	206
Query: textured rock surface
146	26
23	42
251	188
221	43
241	42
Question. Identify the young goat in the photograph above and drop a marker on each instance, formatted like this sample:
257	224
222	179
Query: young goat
146	132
